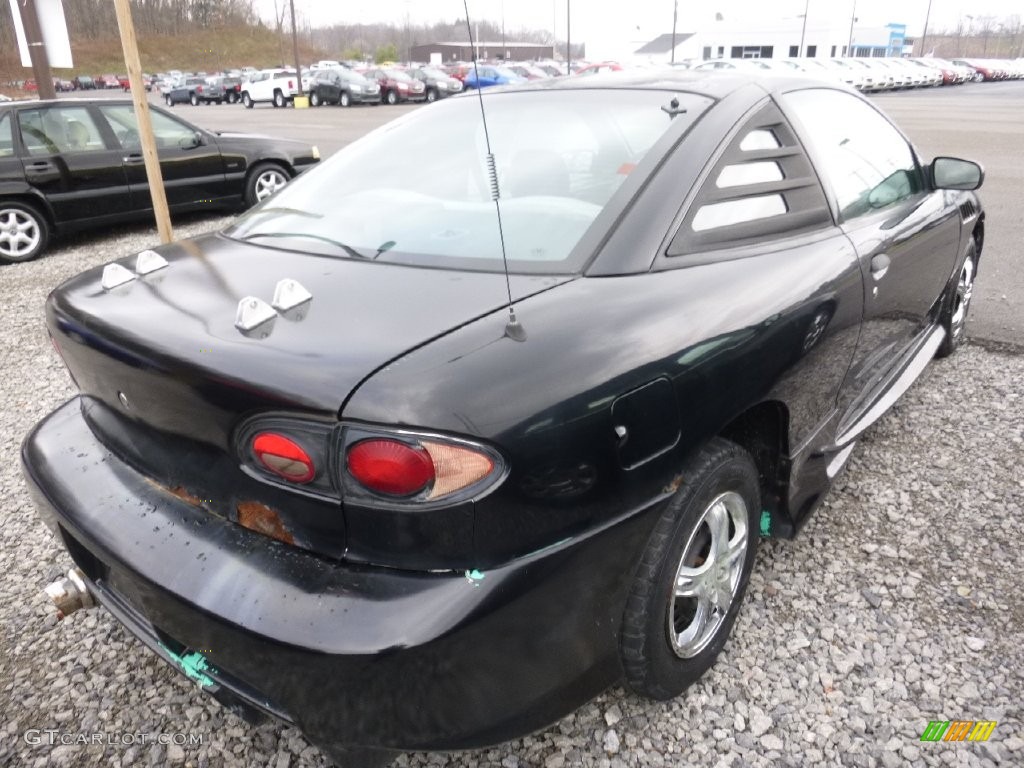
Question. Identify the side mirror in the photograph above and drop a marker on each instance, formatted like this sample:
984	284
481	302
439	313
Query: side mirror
953	173
191	142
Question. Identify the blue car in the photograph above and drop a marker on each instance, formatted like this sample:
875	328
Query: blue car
486	75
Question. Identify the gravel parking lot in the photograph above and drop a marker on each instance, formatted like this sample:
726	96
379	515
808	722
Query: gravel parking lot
898	604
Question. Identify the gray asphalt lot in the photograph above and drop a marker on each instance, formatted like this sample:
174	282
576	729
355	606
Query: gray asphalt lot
898	604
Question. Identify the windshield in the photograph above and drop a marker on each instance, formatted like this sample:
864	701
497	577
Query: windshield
417	190
434	73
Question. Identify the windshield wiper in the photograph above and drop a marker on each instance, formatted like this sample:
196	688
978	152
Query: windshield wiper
336	243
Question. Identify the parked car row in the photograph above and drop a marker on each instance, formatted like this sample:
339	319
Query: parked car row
880	73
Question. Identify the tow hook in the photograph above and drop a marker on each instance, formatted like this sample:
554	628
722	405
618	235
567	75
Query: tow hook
70	593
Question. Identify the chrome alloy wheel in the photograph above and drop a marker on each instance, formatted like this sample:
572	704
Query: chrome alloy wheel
962	299
708	575
269	182
19	234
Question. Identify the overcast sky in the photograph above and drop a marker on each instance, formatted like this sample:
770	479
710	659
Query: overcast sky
642	18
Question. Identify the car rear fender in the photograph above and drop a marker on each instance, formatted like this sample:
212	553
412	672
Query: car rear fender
21	192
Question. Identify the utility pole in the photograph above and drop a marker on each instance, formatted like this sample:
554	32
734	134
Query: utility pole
295	50
36	49
149	153
853	18
803	31
675	16
568	44
924	35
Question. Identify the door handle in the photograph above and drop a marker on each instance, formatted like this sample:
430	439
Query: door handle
133	159
879	265
39	166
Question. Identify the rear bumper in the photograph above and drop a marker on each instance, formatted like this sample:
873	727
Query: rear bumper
355	656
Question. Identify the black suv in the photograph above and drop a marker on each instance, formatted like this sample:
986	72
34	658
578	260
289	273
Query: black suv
343	87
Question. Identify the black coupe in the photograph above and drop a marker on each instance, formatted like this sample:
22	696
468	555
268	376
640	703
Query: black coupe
467	424
69	165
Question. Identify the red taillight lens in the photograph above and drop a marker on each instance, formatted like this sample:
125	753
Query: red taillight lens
291	85
390	466
427	469
284	457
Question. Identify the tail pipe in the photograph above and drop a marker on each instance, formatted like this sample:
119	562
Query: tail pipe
70	593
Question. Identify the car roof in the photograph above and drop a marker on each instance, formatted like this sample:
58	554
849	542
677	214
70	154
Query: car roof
714	84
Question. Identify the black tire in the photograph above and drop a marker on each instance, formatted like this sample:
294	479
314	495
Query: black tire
344	99
169	100
431	95
259	172
659	659
954	314
194	100
247	100
279	99
314	99
19	221
391	98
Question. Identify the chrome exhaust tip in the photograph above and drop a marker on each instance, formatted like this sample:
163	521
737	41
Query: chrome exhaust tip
70	593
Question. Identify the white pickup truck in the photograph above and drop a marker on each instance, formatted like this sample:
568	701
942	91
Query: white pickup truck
278	86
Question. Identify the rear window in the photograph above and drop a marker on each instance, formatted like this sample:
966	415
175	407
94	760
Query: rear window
417	190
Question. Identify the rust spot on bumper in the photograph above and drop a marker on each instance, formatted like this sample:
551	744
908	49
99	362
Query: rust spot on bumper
262	519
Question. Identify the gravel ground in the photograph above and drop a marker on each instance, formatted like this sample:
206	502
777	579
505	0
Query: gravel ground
899	604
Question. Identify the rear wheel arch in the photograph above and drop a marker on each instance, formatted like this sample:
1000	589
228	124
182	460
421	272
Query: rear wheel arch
763	432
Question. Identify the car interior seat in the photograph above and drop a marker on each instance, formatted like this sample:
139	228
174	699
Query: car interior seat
78	135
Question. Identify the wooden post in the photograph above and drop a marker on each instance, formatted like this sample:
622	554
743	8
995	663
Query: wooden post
36	49
295	50
149	153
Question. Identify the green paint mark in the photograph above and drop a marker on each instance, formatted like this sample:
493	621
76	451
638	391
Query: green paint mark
192	664
766	523
474	577
935	730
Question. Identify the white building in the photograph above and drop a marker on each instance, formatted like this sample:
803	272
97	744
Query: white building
820	38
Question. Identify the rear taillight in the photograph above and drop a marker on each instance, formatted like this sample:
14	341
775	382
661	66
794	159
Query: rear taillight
390	467
291	85
283	457
428	470
366	464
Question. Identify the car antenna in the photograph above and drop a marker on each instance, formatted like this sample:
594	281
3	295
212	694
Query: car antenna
513	329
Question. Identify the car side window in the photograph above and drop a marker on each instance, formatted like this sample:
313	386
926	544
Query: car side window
167	131
52	130
6	136
761	186
862	156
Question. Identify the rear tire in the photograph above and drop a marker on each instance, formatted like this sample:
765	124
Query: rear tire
954	315
24	232
169	100
391	98
193	100
279	100
344	99
690	581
